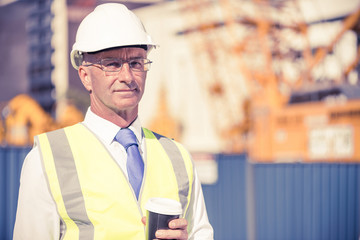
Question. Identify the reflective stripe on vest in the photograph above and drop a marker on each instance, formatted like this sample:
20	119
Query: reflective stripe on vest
181	168
180	162
102	205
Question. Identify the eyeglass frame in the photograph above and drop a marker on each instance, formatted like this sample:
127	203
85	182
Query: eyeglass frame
122	62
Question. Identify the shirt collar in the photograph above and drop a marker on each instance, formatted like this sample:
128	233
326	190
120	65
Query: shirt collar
107	130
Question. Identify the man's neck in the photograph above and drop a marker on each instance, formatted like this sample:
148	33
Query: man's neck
122	119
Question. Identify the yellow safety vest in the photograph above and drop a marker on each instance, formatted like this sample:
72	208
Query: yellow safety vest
93	196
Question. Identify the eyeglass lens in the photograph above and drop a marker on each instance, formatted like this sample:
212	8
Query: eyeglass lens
115	65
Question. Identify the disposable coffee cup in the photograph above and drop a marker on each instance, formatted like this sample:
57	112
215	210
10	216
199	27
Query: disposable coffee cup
160	211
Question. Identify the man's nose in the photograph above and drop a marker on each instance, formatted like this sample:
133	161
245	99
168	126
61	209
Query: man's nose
125	72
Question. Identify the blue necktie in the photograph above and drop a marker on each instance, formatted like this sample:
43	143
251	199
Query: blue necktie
134	163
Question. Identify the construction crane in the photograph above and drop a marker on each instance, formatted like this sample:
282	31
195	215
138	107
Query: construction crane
244	50
24	118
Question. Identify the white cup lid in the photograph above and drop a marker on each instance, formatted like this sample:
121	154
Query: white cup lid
164	206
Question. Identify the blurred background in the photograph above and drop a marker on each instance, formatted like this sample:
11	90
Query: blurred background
265	94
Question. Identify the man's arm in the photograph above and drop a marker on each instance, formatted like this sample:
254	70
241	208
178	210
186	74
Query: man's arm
201	228
36	216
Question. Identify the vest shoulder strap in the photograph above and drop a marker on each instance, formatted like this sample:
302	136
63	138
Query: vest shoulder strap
182	166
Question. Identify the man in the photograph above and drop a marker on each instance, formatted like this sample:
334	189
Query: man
86	181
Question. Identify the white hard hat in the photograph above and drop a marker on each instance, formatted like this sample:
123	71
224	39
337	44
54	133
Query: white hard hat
109	25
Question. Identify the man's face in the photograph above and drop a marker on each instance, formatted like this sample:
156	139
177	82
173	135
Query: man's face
118	92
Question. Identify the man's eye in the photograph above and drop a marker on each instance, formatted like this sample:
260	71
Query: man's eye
137	64
111	64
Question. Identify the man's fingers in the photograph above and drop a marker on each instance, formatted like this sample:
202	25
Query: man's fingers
143	220
180	223
178	230
179	234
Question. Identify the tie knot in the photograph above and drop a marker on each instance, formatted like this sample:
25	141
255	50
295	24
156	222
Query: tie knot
126	137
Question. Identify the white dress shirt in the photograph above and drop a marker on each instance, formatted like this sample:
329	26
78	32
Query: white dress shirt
37	216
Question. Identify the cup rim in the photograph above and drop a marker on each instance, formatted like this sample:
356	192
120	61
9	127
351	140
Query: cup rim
164	206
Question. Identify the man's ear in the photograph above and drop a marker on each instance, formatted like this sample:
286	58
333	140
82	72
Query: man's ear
85	78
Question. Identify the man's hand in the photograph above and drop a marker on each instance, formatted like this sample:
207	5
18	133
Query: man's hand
178	230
